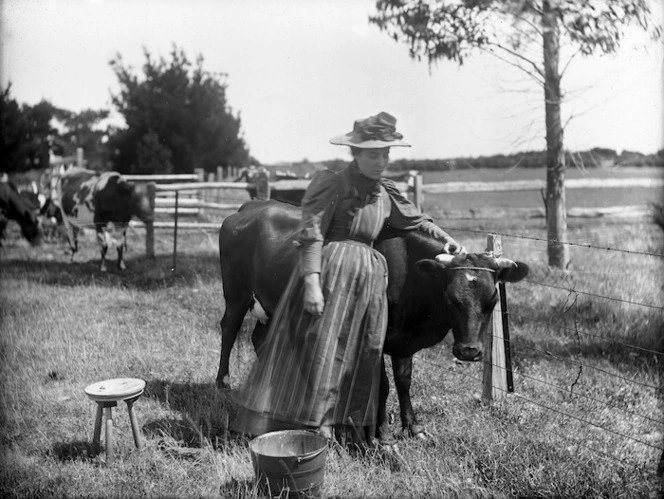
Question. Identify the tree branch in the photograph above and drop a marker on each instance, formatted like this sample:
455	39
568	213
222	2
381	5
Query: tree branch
518	56
539	80
562	72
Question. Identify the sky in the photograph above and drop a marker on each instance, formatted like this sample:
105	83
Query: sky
301	71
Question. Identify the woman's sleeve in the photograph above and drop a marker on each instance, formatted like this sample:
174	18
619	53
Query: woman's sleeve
317	203
406	216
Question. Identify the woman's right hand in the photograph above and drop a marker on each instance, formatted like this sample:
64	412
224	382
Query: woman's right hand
313	294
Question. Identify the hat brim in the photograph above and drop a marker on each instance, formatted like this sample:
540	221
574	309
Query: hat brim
354	140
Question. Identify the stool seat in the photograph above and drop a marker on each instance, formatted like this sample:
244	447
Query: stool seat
115	389
107	394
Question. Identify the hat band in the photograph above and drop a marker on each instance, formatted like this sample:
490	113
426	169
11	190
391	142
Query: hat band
379	132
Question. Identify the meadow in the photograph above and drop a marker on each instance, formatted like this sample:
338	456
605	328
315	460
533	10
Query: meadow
585	419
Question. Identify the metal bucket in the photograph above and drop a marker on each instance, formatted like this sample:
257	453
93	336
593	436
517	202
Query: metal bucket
289	460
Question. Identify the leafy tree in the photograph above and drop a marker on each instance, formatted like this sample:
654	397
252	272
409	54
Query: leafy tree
177	118
13	129
527	34
85	130
24	139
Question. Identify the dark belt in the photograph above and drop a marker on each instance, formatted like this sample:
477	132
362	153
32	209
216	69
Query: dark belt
349	239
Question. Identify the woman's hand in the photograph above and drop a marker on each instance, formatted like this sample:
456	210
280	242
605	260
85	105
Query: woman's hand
313	294
453	248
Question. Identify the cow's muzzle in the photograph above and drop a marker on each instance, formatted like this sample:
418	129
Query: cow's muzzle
467	353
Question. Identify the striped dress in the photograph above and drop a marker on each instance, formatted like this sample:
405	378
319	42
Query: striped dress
313	371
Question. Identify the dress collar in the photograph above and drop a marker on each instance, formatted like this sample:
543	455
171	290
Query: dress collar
363	185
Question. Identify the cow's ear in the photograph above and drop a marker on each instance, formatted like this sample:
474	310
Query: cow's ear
430	268
513	273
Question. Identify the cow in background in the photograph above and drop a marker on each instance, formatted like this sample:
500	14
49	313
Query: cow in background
13	206
110	201
289	196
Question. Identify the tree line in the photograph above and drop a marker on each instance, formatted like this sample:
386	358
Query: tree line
595	157
176	119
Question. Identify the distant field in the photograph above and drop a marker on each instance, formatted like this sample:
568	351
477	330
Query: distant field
576	198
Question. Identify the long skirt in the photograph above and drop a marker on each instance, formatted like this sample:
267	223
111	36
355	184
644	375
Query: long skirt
314	371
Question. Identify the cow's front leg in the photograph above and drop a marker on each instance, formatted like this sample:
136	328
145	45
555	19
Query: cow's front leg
122	247
402	368
102	239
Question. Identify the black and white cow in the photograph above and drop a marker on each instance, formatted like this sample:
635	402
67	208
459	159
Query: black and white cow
112	202
428	294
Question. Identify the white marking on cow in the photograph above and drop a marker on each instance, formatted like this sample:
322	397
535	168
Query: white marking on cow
258	311
471	277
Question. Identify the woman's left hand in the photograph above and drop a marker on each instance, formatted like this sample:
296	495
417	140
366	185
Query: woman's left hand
314	301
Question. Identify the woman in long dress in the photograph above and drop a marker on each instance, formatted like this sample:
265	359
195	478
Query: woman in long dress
320	364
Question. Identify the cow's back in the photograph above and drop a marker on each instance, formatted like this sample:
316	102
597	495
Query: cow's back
76	187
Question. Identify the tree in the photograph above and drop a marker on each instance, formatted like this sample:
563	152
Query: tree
177	118
509	29
83	130
24	137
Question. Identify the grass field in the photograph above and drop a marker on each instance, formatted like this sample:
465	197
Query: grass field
585	421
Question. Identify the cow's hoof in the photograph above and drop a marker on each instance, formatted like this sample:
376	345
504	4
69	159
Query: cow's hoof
223	383
418	431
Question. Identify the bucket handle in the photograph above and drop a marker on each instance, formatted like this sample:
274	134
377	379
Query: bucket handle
309	457
300	459
289	474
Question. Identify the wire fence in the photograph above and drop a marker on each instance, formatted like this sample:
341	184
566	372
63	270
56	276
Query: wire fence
600	355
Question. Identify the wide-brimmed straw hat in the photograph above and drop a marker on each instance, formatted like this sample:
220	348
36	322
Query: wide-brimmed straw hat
372	133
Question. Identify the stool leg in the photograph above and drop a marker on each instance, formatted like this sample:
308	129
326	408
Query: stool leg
109	436
134	423
97	434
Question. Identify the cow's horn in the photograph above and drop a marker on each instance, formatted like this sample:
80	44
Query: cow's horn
506	263
444	258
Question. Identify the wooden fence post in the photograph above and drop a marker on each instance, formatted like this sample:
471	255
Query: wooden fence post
262	184
175	230
417	191
149	227
79	157
495	384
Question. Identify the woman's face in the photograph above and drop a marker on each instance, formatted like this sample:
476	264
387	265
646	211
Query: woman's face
372	162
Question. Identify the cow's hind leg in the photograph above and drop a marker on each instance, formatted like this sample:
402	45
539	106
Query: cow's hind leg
236	309
402	368
383	431
122	247
259	334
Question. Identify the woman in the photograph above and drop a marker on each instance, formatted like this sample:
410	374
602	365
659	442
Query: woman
320	364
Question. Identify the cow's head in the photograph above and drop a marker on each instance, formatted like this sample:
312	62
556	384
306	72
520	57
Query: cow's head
139	200
466	286
18	208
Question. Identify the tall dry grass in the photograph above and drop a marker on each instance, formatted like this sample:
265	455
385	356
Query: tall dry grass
67	325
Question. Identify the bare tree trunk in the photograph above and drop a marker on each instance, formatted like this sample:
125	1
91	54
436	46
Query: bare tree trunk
556	216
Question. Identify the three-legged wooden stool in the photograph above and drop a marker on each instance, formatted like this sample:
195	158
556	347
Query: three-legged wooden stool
107	394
